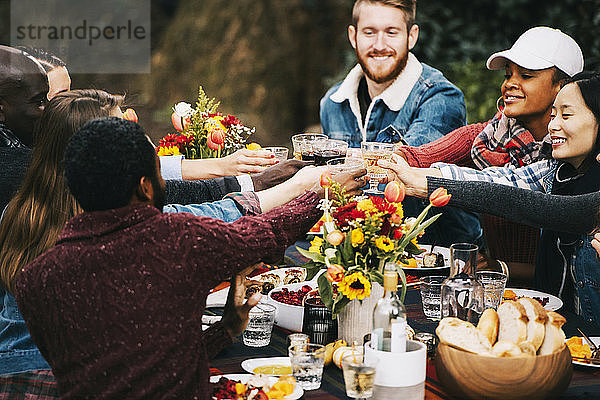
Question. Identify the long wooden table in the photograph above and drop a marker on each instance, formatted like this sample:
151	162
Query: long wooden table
585	383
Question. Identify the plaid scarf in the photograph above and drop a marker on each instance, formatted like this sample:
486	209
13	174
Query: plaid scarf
8	139
504	142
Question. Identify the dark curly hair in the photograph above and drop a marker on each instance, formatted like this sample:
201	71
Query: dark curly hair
105	160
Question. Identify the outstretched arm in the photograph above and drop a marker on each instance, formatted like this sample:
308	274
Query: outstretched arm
575	214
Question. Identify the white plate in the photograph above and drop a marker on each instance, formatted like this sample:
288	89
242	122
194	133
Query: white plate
443	250
596	340
554	303
252	363
243	378
218	299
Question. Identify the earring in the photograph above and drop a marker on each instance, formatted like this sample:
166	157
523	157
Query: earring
498	104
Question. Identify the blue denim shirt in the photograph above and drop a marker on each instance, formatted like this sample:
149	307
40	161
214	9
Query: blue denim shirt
18	353
432	108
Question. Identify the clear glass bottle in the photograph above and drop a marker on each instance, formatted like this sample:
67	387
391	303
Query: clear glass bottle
462	294
389	316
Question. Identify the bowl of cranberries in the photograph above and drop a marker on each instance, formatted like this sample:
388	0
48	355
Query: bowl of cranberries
288	301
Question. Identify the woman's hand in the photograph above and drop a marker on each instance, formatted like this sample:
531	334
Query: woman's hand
415	179
352	181
246	161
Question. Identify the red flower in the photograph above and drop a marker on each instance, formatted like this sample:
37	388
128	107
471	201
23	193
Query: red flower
398	234
439	197
382	205
169	140
230	120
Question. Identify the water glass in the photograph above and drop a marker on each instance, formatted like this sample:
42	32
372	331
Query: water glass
493	287
303	143
359	375
260	325
318	322
307	364
344	164
373	152
431	295
294	339
280	153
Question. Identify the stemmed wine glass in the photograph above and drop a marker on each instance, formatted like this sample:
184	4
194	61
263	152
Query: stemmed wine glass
373	152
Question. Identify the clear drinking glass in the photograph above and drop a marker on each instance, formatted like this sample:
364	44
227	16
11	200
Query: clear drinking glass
431	295
359	375
325	150
373	152
280	153
294	339
303	143
462	293
343	164
260	325
493	287
307	364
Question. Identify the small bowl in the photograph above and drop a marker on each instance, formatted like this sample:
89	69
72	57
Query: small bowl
288	316
474	376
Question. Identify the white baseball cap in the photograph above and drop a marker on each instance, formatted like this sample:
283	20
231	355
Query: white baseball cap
540	48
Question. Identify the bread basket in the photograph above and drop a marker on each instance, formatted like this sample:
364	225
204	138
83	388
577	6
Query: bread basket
474	376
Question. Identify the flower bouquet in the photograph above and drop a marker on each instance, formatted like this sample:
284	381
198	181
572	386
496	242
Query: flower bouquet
202	131
361	235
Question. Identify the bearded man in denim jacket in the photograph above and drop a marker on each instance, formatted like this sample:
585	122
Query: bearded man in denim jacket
391	97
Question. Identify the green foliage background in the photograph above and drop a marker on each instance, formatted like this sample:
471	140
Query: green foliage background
270	61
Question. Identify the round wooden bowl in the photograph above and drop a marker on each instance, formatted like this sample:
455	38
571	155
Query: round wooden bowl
468	375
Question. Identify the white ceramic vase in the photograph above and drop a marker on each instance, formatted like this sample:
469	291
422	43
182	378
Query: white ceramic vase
356	319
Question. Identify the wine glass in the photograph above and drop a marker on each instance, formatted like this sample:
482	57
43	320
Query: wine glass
373	152
359	375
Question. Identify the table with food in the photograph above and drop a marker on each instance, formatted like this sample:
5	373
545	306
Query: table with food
523	345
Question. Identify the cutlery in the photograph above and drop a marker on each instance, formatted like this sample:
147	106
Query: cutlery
595	350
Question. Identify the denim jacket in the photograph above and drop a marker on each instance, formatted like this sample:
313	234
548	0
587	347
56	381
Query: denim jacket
18	353
570	259
420	106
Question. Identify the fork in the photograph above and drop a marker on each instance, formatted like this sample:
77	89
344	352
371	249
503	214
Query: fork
595	350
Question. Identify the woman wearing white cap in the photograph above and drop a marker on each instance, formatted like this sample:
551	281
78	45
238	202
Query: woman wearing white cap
535	65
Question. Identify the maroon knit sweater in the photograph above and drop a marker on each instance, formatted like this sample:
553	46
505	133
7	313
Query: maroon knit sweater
116	306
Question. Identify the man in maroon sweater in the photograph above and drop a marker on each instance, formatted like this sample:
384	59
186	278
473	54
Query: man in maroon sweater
116	306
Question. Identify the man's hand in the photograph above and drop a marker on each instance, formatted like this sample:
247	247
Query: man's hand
352	181
235	314
246	161
276	174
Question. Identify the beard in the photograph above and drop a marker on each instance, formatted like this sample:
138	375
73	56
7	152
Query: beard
160	195
385	76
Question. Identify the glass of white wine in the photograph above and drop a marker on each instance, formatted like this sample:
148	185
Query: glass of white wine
359	375
373	152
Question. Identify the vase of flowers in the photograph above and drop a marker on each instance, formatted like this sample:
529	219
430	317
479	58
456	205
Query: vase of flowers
361	235
202	132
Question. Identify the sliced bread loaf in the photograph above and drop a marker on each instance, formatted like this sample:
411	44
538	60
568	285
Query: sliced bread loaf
462	335
537	316
513	322
555	337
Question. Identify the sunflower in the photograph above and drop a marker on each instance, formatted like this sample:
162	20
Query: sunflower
384	243
315	245
355	286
